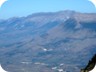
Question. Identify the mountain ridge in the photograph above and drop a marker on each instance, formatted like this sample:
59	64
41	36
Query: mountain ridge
53	42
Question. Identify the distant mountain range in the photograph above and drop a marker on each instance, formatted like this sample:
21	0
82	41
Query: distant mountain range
48	42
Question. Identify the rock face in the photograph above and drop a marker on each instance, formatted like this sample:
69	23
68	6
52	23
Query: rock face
91	67
48	42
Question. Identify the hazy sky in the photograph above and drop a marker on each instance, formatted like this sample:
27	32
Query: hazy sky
15	8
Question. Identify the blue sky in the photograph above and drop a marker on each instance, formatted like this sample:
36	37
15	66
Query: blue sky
19	8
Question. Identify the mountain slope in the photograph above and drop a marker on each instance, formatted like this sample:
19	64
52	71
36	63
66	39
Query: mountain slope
48	42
